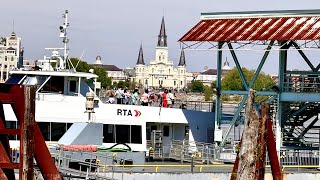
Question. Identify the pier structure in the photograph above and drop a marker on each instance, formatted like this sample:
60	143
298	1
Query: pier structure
294	36
32	144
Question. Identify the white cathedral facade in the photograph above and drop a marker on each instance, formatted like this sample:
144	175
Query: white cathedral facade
161	72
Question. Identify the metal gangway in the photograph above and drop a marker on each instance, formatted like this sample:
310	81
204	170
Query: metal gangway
193	151
91	165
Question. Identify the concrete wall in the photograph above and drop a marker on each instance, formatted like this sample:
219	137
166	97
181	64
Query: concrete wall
205	176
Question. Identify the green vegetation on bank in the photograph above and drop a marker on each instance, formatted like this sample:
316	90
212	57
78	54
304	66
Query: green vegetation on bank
82	66
232	81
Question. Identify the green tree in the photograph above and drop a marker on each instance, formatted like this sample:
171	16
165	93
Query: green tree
121	84
208	93
81	66
213	84
232	81
3	40
196	86
102	76
132	85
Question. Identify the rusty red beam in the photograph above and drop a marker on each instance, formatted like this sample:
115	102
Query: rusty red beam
5	153
9	165
43	157
6	99
272	152
9	131
3	175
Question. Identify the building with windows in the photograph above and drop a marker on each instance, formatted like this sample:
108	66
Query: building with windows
210	75
161	72
11	55
116	74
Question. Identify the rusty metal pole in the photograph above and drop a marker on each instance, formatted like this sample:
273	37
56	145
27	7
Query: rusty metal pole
247	156
262	142
272	152
27	134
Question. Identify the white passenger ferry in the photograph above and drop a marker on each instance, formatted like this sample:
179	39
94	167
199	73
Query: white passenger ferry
61	98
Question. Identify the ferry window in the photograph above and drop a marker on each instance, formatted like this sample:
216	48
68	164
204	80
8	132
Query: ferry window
69	125
108	133
14	78
166	131
34	80
57	131
136	134
11	125
54	85
45	130
153	127
122	133
73	86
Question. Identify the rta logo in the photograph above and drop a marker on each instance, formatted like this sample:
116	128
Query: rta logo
127	112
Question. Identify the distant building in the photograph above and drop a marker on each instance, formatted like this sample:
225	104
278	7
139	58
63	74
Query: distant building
116	74
210	75
161	72
11	55
130	73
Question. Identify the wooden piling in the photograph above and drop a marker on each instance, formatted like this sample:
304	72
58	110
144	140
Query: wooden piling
262	142
27	139
248	151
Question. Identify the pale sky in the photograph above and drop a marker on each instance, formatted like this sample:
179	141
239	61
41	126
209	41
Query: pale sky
115	29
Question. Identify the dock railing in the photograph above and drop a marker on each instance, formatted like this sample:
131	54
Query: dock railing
198	152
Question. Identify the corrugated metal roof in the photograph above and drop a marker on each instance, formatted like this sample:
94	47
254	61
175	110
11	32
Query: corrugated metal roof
235	27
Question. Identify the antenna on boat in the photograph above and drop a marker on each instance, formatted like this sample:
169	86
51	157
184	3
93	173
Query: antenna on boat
65	40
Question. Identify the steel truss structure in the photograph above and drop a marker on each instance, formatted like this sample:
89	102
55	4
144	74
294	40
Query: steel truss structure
32	145
295	100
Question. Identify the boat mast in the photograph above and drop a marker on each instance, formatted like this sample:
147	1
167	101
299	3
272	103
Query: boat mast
65	40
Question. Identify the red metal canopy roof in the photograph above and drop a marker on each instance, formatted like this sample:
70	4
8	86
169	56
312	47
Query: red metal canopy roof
249	27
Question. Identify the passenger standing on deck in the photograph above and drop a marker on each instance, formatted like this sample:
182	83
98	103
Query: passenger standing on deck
170	99
111	99
164	101
126	96
119	95
135	97
145	98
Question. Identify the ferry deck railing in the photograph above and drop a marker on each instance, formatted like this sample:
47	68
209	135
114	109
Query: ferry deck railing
301	81
206	106
95	169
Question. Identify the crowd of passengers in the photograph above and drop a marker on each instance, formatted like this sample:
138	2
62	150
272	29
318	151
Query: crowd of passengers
146	97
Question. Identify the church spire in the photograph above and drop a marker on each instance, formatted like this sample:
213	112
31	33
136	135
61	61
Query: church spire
182	61
162	38
140	56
